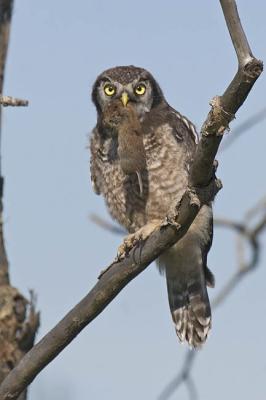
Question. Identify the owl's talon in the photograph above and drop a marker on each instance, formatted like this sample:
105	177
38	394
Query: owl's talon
134	239
129	242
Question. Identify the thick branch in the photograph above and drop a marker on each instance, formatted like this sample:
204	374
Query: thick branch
200	191
225	107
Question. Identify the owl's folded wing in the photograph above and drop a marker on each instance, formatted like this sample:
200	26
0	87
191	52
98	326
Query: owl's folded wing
96	175
183	127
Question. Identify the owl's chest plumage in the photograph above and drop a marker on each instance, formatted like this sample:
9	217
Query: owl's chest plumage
164	179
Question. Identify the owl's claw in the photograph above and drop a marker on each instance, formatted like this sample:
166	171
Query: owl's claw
136	238
129	242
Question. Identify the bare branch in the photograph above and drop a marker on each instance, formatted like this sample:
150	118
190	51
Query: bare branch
202	188
236	31
6	7
18	319
259	206
183	377
251	235
224	107
13	101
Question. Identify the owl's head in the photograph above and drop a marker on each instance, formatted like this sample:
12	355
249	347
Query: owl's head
129	84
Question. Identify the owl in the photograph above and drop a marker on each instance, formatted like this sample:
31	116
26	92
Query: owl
132	109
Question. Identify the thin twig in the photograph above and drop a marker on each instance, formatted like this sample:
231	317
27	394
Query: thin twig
182	378
13	101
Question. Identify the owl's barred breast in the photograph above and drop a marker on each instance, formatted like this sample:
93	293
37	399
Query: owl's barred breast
163	182
168	174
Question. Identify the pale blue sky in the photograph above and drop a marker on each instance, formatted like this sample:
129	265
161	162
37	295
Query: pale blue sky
57	49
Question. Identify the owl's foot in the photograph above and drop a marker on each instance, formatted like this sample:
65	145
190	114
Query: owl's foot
137	238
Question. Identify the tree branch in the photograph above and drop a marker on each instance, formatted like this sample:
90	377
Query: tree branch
6	7
201	189
13	101
18	320
182	377
239	39
251	235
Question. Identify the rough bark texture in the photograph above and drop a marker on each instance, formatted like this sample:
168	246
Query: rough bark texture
18	320
202	188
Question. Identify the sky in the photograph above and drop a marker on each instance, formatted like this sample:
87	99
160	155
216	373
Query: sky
130	351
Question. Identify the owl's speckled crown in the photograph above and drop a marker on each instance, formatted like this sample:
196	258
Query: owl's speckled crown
125	74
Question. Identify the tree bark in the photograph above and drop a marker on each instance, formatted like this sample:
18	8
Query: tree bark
18	320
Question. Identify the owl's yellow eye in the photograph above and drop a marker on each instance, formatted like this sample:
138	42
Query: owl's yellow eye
109	89
140	89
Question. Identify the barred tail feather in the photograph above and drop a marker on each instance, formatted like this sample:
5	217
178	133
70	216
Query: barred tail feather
189	305
187	275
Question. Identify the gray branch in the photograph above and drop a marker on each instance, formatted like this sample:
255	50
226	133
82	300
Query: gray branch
201	189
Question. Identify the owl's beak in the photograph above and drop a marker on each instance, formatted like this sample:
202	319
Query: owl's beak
124	98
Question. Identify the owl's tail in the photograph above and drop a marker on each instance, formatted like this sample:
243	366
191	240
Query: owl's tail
188	298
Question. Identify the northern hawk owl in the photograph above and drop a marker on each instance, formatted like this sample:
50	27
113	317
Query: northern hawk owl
141	152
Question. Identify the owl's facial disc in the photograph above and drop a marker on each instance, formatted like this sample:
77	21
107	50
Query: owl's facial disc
136	85
138	92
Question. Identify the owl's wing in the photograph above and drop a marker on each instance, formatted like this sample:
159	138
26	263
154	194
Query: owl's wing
184	129
95	169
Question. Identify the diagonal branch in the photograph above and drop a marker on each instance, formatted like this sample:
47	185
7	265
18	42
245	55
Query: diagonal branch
202	188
